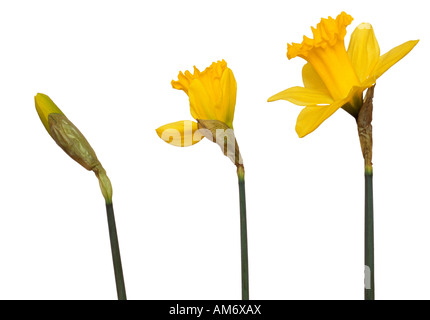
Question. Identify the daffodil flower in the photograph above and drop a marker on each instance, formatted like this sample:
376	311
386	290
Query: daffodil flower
212	96
335	77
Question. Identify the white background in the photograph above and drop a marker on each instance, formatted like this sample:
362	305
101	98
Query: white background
108	66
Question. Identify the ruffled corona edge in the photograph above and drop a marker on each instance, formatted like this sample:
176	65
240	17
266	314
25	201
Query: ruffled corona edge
327	33
214	71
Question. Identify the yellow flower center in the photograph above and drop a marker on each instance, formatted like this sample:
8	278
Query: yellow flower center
327	54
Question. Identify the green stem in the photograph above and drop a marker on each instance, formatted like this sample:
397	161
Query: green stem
369	291
116	257
243	234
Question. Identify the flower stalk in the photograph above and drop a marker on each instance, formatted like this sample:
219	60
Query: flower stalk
364	125
243	233
116	256
221	134
369	256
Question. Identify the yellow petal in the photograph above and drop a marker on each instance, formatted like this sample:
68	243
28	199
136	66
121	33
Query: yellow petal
312	80
202	105
311	117
387	60
363	50
302	96
180	133
44	107
228	102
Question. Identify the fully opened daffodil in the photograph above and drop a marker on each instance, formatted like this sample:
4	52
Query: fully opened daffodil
212	96
73	142
334	77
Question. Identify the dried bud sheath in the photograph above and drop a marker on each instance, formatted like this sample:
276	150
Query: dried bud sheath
364	126
73	142
218	132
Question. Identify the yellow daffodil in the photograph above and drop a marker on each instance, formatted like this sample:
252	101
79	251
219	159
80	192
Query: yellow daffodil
335	77
212	95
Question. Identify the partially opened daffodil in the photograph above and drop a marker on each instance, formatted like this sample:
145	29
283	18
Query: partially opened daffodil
212	95
335	77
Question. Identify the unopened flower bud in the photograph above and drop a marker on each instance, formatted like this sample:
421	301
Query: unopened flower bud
71	140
